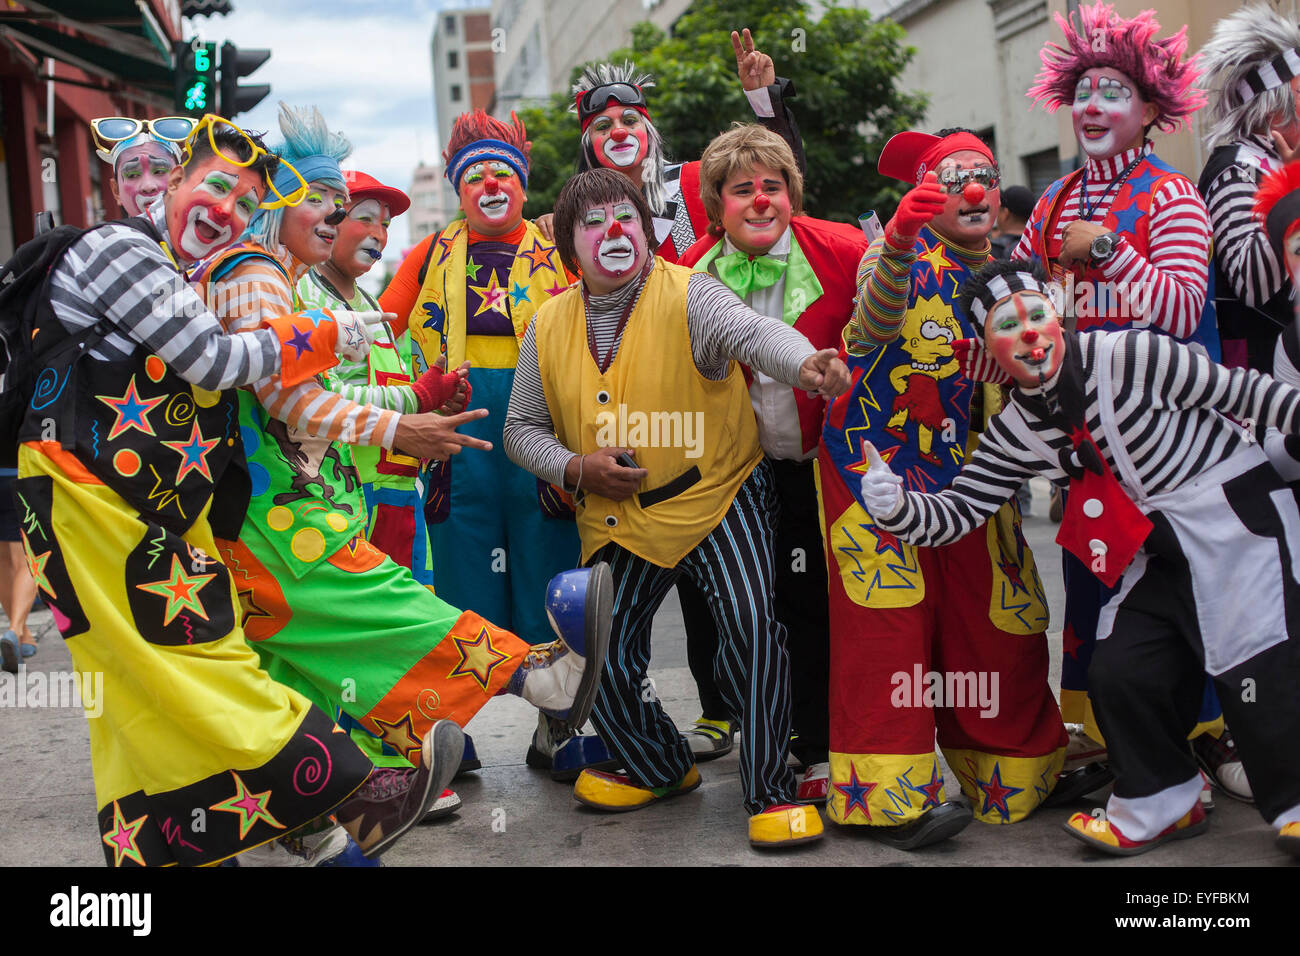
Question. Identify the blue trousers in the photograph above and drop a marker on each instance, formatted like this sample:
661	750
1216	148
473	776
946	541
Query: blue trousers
496	551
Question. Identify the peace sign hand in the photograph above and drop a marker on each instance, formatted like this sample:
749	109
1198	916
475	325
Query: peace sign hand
755	68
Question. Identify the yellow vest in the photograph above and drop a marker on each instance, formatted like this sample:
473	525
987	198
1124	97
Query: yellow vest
697	437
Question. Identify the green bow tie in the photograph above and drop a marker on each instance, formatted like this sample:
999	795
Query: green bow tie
743	275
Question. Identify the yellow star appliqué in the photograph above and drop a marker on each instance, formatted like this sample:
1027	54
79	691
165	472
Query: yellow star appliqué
478	658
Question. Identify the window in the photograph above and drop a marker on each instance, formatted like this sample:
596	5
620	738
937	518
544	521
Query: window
449	26
453	59
455	92
1042	169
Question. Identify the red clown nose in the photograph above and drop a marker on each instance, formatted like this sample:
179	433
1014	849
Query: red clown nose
973	193
491	186
1029	336
618	135
615	230
761	202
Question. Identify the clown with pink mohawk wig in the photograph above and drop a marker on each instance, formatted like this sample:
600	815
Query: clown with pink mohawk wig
1129	238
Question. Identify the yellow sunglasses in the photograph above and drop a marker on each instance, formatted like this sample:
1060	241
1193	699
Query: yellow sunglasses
210	122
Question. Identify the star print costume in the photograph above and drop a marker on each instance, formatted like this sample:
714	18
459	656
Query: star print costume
498	533
1211	587
900	612
197	754
328	613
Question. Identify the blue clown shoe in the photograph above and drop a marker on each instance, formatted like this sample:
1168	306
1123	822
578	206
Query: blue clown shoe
469	762
351	856
561	678
556	748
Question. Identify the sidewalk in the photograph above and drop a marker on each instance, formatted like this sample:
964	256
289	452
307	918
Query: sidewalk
517	816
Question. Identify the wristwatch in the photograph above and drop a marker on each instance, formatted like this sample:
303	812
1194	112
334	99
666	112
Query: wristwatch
1101	248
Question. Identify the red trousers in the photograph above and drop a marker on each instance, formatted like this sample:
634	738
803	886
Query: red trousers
943	642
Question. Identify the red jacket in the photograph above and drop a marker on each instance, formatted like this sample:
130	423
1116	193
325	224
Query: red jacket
833	249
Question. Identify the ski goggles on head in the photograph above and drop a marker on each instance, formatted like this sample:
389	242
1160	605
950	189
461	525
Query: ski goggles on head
596	99
111	130
210	122
954	180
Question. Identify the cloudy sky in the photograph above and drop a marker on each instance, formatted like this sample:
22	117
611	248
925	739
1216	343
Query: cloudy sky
365	63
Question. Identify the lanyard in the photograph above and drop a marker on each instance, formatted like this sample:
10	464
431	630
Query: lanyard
1087	207
622	322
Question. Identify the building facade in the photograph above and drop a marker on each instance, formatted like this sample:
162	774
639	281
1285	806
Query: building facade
61	65
464	76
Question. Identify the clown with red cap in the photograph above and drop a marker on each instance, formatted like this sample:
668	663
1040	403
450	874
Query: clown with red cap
915	629
388	478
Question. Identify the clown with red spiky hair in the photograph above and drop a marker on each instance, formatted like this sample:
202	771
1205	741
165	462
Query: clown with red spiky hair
468	293
1129	237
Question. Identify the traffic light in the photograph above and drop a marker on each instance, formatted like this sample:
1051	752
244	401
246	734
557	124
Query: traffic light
196	77
236	63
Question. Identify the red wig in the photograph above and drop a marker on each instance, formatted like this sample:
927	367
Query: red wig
1105	39
471	127
1277	204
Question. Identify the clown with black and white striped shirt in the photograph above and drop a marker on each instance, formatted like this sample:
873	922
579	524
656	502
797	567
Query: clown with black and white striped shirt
1176	505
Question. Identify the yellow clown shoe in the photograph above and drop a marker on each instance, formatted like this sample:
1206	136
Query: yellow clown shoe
785	824
617	793
1288	839
1105	836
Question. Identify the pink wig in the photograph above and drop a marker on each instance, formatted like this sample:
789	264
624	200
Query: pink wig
1106	39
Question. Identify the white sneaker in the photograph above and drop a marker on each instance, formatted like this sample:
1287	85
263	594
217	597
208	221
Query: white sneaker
311	850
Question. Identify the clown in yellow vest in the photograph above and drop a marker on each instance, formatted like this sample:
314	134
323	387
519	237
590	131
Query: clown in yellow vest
628	392
496	533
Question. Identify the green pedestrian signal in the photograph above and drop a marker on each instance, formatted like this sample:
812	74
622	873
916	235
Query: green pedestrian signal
196	77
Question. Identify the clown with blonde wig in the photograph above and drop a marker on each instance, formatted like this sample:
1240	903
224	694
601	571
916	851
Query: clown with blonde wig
1128	237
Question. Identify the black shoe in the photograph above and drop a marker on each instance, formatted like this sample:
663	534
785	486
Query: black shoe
1077	784
944	821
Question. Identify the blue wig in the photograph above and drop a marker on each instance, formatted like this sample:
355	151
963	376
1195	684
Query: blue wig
314	151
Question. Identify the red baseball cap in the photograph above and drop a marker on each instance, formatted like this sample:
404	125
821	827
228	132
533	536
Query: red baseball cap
910	155
363	186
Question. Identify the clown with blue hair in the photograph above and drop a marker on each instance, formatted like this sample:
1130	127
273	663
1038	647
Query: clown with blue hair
329	614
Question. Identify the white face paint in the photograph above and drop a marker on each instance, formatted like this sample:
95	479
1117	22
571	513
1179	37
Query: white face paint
206	227
1107	113
618	254
368	212
494	206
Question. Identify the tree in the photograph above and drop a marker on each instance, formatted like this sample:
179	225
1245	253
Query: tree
845	68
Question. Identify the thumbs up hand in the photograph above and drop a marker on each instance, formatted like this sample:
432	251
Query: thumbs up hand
882	490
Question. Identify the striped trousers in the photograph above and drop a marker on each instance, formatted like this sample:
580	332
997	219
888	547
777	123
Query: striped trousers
733	570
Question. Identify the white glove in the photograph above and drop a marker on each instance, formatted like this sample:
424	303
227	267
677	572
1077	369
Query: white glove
882	490
357	331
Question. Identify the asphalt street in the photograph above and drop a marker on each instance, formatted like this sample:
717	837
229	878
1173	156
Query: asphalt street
517	816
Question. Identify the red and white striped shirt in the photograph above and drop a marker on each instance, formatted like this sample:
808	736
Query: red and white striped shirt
1175	266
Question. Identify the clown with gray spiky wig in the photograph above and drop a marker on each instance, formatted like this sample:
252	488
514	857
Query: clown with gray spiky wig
628	143
1252	64
618	134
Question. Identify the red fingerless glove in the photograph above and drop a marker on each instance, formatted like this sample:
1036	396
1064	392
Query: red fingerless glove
917	207
435	388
